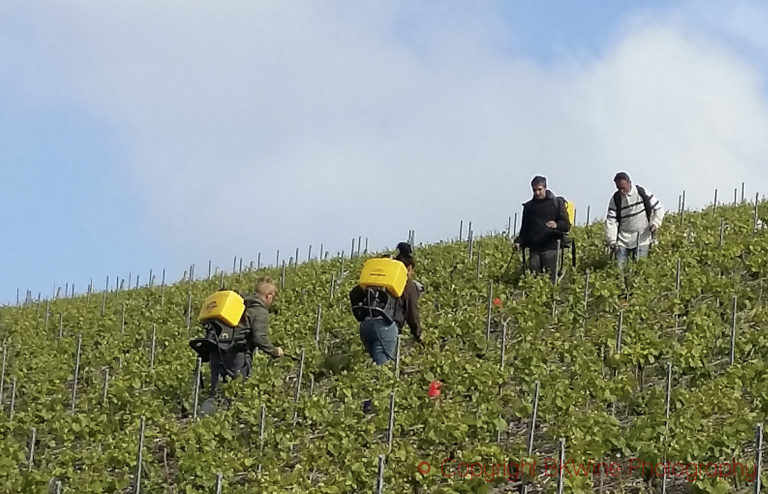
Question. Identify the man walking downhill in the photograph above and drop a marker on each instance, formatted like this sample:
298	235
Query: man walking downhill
545	221
634	215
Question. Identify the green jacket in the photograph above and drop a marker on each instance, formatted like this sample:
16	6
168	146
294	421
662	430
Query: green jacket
256	317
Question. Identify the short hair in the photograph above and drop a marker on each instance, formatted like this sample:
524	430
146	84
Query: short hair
621	176
265	286
539	180
405	254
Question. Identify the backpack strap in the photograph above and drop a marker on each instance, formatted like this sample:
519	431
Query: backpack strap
617	205
646	201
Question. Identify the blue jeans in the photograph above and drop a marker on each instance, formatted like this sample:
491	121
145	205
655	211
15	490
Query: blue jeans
622	253
379	338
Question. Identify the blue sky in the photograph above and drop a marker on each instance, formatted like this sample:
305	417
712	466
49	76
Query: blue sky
145	135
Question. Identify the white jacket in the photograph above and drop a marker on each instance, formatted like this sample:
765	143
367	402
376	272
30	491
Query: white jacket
633	219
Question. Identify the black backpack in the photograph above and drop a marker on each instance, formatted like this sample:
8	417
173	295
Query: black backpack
643	196
375	302
222	338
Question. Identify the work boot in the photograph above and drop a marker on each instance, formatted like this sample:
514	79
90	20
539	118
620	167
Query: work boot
208	407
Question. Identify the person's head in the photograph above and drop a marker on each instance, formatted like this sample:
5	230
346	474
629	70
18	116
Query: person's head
266	288
623	183
405	255
539	187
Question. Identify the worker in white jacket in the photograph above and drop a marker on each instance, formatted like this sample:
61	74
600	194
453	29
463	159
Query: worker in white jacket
634	214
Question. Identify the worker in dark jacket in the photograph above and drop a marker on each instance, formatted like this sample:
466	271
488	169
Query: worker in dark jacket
379	336
545	221
255	318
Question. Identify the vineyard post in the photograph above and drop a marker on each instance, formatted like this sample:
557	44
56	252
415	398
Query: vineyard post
106	386
477	273
218	483
758	456
152	349
317	324
742	192
330	288
192	273
557	266
722	228
277	258
282	277
309	253
32	439
509	226
2	377
221	279
135	287
311	384
139	457
234	265
352	251
733	331
122	320
380	479
13	400
196	392
586	293
77	371
735	195
162	288
103	301
359	243
262	415
560	476
532	425
503	344
714	203
397	359
667	399
189	313
677	276
391	426
296	259
66	292
61	325
90	291
514	223
258	261
47	314
461	230
488	315
587	220
320	254
498	431
151	278
470	243
757	199
298	381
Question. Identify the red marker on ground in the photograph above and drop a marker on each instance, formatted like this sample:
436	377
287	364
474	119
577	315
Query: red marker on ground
497	302
434	389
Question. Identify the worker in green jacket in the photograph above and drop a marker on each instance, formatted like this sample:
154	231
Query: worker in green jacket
255	319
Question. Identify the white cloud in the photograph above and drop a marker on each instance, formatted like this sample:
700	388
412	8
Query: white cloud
321	122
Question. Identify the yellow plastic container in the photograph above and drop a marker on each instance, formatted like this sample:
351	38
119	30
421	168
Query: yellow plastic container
387	273
226	306
571	208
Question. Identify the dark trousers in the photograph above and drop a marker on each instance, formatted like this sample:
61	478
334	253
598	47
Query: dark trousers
544	260
229	365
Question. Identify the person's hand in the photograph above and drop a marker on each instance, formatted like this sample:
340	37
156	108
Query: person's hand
550	224
614	247
280	351
652	228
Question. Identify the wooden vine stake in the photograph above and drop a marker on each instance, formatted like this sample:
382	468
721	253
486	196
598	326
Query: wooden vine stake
561	476
380	479
105	388
77	371
139	457
758	456
189	313
461	230
13	400
196	392
2	377
152	348
31	459
733	331
391	426
488	315
503	344
218	482
317	324
532	425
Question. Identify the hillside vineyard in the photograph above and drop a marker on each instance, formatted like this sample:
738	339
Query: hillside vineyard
605	382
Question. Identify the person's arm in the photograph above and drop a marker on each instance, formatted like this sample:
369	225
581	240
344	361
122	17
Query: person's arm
611	225
259	318
411	309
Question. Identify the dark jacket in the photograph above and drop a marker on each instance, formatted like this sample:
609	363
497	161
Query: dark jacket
406	310
256	317
534	233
